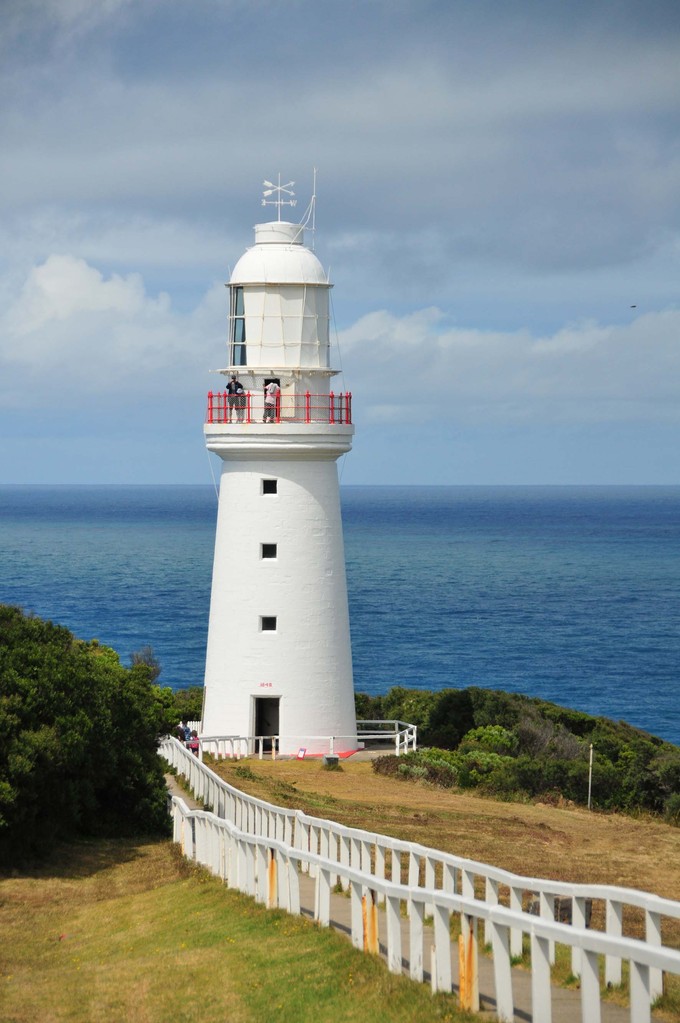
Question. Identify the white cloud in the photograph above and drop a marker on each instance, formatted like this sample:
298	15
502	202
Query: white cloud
63	287
72	331
582	373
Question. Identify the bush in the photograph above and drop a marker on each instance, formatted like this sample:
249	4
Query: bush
387	765
80	734
423	765
368	708
416	772
451	717
187	704
672	808
508	744
492	738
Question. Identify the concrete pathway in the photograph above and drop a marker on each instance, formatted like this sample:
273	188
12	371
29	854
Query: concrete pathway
566	1003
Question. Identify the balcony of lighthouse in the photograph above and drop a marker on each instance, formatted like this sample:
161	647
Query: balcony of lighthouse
306	408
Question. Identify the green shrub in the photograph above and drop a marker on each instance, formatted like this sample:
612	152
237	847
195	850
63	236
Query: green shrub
451	717
437	756
369	708
80	736
508	745
187	703
671	808
492	738
415	772
493	706
419	766
387	764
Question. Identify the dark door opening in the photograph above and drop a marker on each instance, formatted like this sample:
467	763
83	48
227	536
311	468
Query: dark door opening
267	718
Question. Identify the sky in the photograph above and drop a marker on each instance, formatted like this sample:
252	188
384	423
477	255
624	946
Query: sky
498	207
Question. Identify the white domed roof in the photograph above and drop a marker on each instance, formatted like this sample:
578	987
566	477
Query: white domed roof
278	257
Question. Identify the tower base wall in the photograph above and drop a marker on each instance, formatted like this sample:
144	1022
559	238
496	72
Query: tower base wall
279	652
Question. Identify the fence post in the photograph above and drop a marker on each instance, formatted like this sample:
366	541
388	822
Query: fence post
293	887
502	971
344	859
613	926
578	919
357	915
395	866
540	977
369	912
546	903
653	938
515	932
442	945
262	878
640	992
380	866
491	899
415	939
394	935
590	987
272	882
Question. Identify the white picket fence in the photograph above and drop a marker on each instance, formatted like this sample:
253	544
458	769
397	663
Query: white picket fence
239	837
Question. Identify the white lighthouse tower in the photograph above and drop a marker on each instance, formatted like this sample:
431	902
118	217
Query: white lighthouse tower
279	658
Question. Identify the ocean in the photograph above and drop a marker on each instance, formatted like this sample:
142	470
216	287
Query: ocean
571	594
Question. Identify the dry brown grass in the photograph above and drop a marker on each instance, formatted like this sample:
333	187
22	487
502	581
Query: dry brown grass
566	843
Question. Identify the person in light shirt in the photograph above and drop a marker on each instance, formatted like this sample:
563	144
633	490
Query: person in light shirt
271	393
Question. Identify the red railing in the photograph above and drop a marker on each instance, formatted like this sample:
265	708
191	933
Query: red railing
304	408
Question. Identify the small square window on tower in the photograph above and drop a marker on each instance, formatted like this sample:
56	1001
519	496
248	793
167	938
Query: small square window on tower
269	486
268	550
268	623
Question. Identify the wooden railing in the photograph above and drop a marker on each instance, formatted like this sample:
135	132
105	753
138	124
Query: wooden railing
240	836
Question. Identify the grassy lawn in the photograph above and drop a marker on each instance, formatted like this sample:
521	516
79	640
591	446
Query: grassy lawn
124	930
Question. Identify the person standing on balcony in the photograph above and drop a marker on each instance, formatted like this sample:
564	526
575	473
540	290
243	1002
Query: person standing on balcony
271	393
240	401
234	388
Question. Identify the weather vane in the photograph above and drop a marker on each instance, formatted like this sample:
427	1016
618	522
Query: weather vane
278	190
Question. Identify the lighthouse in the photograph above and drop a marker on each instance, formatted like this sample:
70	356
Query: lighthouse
278	662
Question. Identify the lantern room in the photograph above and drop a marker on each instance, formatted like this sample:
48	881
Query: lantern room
279	309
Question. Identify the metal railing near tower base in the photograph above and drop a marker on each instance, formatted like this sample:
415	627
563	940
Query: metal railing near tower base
262	850
378	732
250	407
398	734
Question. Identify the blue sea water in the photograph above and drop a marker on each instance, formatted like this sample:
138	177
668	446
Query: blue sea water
571	594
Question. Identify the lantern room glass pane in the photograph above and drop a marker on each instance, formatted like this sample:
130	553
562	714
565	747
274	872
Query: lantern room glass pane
238	328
